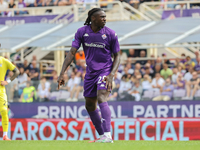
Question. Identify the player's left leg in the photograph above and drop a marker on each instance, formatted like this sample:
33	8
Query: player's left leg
102	96
5	120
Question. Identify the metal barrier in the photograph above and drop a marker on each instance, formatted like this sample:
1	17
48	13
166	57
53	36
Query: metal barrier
154	9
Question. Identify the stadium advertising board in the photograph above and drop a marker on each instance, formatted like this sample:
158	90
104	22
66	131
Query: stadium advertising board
171	14
126	109
33	19
122	129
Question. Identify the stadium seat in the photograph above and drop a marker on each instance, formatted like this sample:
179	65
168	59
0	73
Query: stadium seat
156	93
148	95
64	95
178	94
197	95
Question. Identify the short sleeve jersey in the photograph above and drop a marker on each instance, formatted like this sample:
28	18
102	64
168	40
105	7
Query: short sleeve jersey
5	64
98	47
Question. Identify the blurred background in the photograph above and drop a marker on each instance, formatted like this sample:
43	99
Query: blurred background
158	76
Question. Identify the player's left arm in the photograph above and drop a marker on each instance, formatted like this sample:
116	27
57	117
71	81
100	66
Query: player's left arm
115	50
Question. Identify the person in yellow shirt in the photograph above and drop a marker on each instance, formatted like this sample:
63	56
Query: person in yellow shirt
5	64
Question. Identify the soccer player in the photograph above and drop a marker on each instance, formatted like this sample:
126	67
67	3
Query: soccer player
5	64
99	43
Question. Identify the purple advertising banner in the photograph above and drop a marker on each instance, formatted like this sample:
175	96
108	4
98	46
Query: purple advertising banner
126	109
171	14
33	19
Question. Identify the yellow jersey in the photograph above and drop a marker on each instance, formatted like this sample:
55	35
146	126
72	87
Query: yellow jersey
5	64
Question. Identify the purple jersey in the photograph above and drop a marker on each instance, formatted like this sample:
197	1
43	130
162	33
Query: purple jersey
97	47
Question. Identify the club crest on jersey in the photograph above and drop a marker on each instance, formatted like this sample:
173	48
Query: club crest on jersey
0	65
104	36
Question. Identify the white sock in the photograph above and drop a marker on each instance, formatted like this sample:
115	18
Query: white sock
108	134
4	133
101	136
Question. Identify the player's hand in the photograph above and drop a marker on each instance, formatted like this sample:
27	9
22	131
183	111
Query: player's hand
108	79
60	81
4	83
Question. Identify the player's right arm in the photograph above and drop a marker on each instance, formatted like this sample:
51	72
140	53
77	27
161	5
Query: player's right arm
67	62
76	43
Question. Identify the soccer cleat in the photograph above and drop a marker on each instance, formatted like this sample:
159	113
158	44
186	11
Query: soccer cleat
104	139
93	141
5	138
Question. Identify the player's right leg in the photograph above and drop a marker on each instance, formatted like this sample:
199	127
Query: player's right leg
93	111
4	116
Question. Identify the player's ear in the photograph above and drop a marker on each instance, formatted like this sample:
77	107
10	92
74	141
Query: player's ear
92	18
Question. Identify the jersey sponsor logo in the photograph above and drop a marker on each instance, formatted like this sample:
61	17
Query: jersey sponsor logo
0	65
86	34
73	40
102	85
98	45
104	36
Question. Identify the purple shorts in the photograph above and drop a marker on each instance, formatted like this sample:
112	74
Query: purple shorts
94	83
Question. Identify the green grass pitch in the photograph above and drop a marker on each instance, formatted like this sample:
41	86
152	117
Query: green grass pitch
84	145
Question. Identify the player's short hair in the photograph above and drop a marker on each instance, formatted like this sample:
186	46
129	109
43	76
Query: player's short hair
90	13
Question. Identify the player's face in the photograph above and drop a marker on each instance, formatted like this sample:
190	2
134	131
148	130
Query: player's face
100	19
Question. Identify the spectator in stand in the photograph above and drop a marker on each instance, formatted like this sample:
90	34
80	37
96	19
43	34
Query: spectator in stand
43	82
142	55
34	74
54	84
188	75
180	83
43	90
80	55
166	91
197	66
193	84
70	85
77	81
147	70
175	75
166	72
40	3
138	67
11	5
12	87
123	57
188	63
26	66
78	87
116	80
156	69
146	83
136	91
131	53
21	4
137	75
125	85
3	5
28	93
30	3
22	79
166	61
159	62
183	59
158	82
181	68
130	70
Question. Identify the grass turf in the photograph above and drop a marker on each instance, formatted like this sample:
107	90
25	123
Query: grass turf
84	145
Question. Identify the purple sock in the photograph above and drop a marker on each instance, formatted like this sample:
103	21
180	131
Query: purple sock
96	120
106	115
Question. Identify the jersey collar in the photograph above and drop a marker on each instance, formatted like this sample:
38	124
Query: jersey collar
100	31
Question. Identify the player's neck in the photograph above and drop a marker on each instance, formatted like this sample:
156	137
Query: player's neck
94	28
